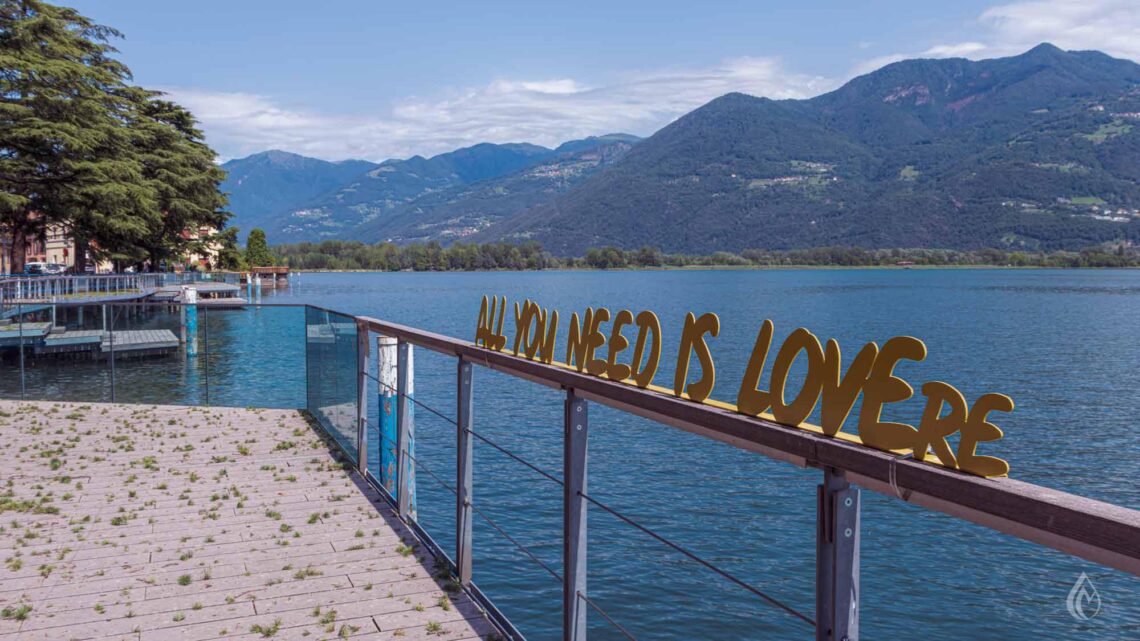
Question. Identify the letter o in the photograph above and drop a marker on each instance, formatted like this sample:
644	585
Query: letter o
802	405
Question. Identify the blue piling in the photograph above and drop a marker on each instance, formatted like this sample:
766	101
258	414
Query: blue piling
389	426
190	311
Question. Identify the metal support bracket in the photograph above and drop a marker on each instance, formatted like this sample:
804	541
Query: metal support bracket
837	559
577	428
404	426
463	473
362	358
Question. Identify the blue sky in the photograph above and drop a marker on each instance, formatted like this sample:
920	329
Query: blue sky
372	79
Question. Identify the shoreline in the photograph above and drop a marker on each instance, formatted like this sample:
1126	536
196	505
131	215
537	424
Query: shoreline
716	268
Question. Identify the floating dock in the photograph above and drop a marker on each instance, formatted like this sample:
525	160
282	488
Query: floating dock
44	339
210	294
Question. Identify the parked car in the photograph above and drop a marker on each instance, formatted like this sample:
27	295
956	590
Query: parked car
44	269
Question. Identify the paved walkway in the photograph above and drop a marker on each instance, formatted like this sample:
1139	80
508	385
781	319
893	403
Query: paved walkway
179	523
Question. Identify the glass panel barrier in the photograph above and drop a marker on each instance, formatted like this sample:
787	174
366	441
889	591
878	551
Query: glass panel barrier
161	353
63	352
151	362
11	360
256	355
330	366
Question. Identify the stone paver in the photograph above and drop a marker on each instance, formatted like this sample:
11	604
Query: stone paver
186	523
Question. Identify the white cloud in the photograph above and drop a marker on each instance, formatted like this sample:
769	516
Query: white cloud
960	50
553	110
1111	26
545	112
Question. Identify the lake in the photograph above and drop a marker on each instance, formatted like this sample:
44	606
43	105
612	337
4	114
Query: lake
1062	344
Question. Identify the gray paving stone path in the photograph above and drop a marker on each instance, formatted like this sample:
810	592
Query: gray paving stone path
173	523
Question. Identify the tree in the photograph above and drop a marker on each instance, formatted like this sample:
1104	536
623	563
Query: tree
62	143
178	167
230	256
257	252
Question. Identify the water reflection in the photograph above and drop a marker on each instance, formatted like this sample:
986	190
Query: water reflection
246	357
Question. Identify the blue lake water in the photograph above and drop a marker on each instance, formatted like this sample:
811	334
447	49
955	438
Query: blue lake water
1062	344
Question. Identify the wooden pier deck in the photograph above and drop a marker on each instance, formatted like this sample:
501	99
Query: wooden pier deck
188	523
146	341
124	343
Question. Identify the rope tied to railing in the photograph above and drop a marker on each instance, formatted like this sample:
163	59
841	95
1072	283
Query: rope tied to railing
892	476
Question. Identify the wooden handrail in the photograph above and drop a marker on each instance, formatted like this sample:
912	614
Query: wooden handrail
1084	527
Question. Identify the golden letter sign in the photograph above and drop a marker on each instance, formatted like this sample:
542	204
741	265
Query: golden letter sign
593	348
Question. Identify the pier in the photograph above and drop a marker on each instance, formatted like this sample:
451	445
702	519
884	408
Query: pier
160	522
210	294
106	288
272	276
216	289
49	340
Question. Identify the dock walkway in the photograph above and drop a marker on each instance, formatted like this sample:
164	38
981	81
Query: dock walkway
189	523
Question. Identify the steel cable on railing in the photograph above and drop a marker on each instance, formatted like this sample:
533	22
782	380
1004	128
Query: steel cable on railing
597	608
484	516
520	546
475	434
418	463
723	573
515	456
414	400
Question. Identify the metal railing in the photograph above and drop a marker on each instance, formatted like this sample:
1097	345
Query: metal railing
44	289
343	358
193	277
1083	527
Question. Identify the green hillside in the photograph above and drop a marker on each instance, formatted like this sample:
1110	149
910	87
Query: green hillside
1037	151
377	192
264	184
295	198
464	210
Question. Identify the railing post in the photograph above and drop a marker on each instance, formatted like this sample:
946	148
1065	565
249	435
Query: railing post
577	428
463	473
837	559
405	439
362	349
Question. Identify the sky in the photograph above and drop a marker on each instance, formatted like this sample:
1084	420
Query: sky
375	79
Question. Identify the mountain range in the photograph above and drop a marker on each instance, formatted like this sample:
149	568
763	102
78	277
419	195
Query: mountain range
439	198
1035	151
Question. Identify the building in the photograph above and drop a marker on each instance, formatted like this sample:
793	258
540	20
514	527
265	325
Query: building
56	246
208	258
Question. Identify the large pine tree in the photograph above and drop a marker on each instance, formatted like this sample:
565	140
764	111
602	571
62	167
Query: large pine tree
180	170
123	170
58	130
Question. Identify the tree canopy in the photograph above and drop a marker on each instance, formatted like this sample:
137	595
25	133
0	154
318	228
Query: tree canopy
126	172
257	252
355	255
